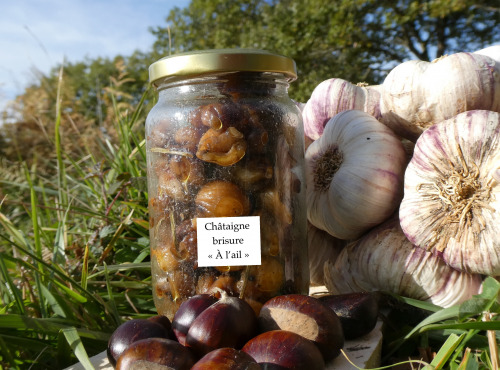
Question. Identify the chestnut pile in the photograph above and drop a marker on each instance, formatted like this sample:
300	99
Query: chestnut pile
219	331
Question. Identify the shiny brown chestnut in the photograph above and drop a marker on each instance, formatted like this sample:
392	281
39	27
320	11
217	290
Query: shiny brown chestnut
226	359
132	331
156	354
188	311
358	312
282	349
230	322
165	322
306	316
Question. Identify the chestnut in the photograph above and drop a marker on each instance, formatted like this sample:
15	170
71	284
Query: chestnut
132	331
270	275
223	147
230	322
165	322
282	349
156	353
358	312
306	316
222	199
188	311
226	283
226	359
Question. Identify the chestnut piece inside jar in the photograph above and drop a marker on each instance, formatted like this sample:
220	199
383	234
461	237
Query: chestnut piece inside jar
224	148
222	199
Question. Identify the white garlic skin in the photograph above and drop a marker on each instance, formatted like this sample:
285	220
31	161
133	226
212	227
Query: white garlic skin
385	260
367	186
417	94
492	51
452	193
322	247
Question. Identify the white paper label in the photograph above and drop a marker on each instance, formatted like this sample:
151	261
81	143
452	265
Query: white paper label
228	241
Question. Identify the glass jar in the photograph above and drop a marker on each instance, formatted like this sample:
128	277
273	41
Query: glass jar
225	156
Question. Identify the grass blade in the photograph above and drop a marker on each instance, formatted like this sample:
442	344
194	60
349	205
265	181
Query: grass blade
115	237
63	277
112	302
12	289
444	314
38	244
61	178
76	345
85	267
446	351
7	355
47	326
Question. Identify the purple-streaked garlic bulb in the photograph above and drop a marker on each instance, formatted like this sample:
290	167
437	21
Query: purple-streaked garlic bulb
451	204
354	175
385	260
336	95
417	94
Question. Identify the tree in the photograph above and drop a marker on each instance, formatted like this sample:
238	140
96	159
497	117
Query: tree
358	40
427	29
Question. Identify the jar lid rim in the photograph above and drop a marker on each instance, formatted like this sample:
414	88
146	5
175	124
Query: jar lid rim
202	62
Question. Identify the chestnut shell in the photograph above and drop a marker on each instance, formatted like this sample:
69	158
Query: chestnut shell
230	322
306	316
166	323
358	312
188	311
281	349
132	331
156	353
226	359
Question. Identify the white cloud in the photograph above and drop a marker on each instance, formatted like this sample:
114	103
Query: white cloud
40	34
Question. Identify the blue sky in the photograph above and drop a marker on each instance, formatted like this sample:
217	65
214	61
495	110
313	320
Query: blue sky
36	35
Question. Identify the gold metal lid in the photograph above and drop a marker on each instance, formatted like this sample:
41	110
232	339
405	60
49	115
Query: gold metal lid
221	60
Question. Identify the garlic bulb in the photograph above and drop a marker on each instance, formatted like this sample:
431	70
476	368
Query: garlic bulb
385	260
322	248
336	95
452	192
354	175
491	51
418	94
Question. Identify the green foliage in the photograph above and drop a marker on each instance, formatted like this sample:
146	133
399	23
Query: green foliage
428	29
355	40
473	324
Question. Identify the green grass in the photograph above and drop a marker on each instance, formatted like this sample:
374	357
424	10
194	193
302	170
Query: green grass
74	250
74	262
